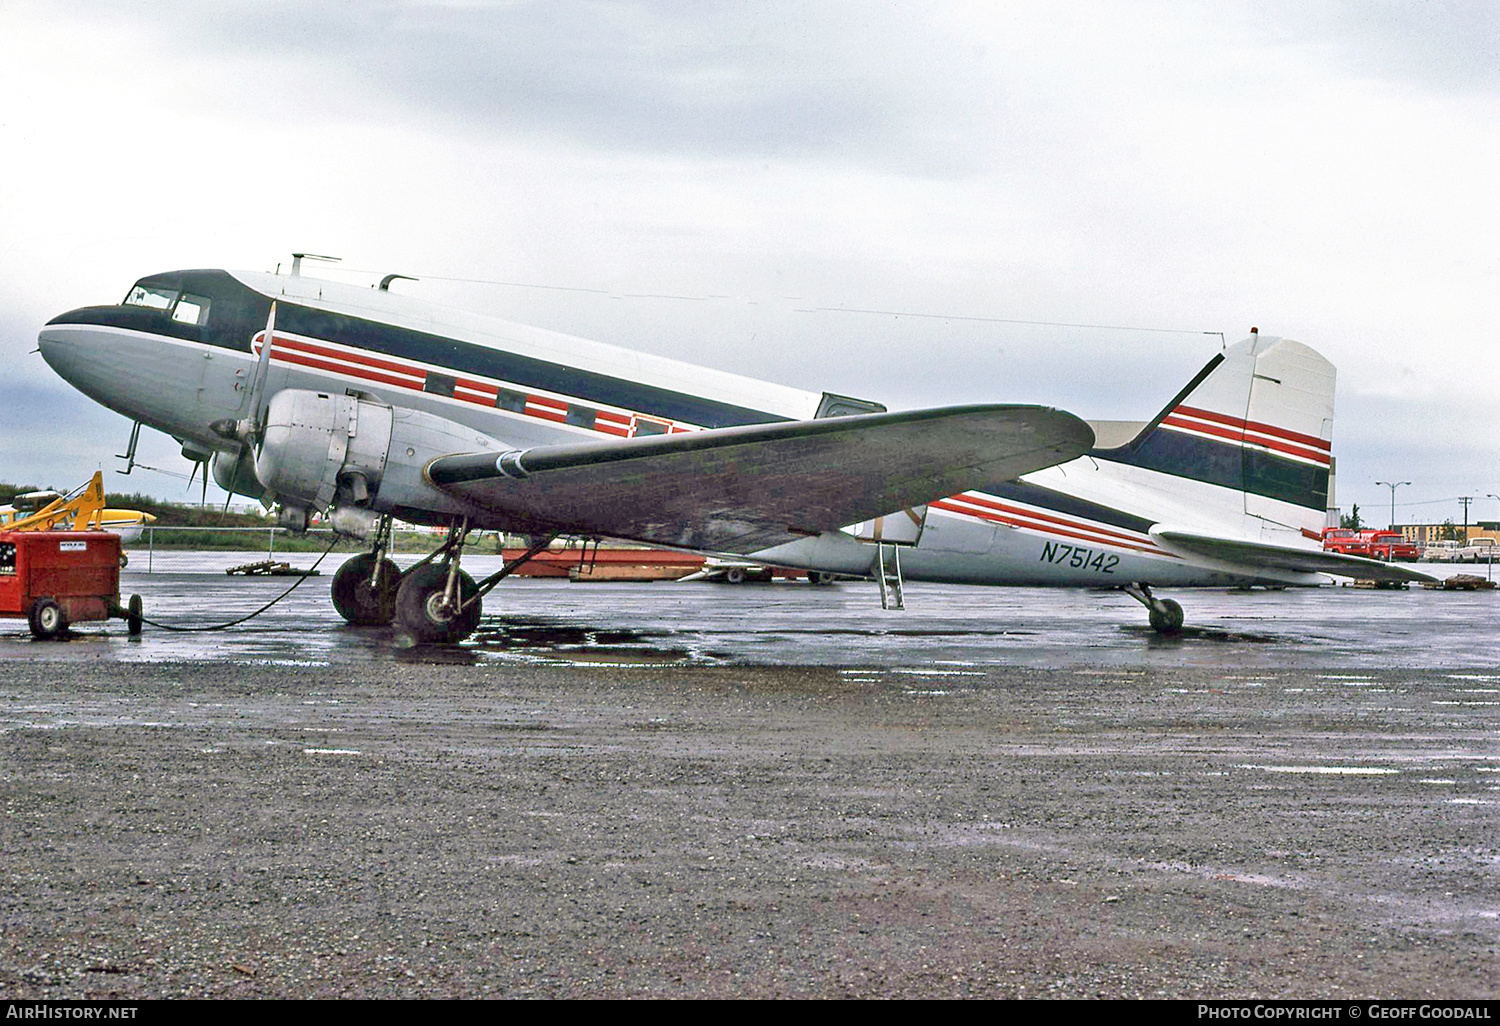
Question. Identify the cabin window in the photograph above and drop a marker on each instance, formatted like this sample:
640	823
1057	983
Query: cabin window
153	297
191	309
515	402
440	384
646	426
581	416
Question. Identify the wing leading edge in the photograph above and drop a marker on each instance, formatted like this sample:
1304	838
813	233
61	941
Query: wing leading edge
1284	557
742	489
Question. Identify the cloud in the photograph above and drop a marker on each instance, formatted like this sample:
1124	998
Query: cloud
1443	45
1324	171
776	80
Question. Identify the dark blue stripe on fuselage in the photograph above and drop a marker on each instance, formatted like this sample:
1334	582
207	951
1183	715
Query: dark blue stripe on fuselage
484	362
238	312
1061	502
1225	464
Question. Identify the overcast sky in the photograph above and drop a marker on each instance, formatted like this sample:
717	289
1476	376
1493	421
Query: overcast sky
921	203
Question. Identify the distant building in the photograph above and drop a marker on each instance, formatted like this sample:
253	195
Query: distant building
1422	534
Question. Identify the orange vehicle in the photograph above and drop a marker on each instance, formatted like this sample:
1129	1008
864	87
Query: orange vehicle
1386	545
1389	545
1346	540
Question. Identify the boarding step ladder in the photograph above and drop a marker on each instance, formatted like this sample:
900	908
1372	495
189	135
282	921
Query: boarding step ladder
888	573
890	534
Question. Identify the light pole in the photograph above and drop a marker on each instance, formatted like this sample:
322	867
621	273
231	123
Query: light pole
1490	549
1393	485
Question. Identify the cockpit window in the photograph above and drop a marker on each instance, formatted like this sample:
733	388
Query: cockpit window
154	297
191	309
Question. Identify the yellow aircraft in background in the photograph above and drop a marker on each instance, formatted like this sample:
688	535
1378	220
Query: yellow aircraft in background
82	509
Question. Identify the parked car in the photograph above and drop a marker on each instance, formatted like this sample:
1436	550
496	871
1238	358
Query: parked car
1479	550
1445	551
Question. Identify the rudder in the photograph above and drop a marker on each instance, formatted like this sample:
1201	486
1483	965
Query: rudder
1258	420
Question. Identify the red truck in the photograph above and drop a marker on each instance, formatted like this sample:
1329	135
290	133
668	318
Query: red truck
1387	545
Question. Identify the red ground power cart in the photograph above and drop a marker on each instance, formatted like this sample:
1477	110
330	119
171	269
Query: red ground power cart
54	578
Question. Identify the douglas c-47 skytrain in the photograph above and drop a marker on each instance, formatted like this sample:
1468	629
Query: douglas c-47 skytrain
367	405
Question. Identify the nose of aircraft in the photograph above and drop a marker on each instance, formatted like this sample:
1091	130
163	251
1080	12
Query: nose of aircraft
89	356
58	347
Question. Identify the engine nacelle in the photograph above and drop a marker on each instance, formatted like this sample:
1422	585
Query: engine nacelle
236	475
360	456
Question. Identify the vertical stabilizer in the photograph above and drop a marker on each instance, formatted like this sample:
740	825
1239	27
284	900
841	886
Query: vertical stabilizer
1251	435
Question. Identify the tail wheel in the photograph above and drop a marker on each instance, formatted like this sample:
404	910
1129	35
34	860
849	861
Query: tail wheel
46	618
358	600
1166	617
422	610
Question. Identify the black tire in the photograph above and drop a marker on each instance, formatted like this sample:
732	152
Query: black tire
1168	619
356	600
417	611
735	575
133	616
819	577
47	619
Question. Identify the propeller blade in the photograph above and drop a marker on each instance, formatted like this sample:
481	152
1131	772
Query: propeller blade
258	402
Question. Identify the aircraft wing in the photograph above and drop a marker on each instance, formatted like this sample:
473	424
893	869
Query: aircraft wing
743	489
1287	557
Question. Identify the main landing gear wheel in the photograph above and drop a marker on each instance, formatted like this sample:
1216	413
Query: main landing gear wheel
422	608
46	619
358	600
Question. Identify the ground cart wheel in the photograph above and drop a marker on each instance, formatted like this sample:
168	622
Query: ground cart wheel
46	618
133	616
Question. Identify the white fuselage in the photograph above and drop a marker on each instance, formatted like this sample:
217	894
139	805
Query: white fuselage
1085	523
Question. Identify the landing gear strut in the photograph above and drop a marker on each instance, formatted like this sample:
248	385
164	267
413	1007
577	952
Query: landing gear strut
437	602
1165	615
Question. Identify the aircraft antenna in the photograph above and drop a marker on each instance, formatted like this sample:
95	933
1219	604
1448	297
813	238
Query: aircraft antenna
297	261
385	283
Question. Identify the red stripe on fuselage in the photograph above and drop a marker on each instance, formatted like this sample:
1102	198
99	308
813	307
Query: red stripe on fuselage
282	344
1044	524
1001	507
281	356
325	357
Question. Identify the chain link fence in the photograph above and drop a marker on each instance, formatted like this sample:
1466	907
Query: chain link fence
220	549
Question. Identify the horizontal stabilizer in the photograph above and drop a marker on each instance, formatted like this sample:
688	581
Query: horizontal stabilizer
742	489
1286	557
